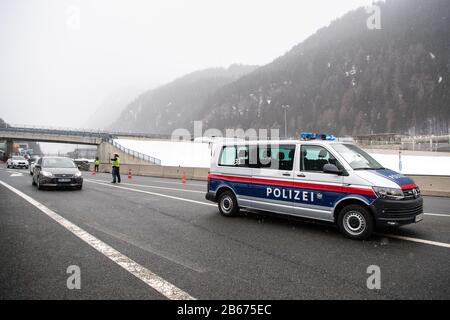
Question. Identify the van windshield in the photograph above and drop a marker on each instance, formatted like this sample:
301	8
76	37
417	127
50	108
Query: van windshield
357	158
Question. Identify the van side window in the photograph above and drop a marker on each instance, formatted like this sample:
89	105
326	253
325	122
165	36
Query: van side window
276	157
313	158
234	156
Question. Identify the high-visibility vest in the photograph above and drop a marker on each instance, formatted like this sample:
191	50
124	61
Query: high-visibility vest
116	162
97	162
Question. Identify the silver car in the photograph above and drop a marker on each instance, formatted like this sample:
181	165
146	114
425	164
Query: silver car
32	162
57	172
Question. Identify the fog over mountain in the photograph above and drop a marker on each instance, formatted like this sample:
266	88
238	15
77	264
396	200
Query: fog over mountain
114	104
344	79
178	103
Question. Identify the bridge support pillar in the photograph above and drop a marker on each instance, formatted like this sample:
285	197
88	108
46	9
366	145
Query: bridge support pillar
104	155
9	148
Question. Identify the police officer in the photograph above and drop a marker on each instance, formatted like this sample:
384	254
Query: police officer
115	162
97	164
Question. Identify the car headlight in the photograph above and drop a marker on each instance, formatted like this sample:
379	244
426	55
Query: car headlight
78	174
389	193
47	174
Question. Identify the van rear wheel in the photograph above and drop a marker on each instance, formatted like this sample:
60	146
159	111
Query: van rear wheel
228	205
356	222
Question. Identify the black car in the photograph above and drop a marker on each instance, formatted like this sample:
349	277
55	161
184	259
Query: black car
57	172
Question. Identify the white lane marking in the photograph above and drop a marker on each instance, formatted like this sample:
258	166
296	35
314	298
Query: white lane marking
437	215
151	193
433	243
148	186
17	174
148	277
12	171
188	183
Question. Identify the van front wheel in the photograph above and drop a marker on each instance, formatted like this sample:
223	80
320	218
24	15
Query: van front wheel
355	222
228	205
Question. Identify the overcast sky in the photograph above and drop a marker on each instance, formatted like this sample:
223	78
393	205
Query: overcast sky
59	60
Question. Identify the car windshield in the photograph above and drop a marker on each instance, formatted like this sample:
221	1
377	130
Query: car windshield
357	158
58	163
18	158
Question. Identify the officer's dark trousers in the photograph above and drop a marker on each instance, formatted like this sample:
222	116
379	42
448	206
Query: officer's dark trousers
96	168
116	174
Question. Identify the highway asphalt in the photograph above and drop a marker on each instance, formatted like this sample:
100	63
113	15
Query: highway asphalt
172	231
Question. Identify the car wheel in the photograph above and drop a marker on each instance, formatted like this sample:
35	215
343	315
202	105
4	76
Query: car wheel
228	205
38	182
355	222
79	187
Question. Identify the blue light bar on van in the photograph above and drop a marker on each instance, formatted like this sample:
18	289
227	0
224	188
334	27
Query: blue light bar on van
306	136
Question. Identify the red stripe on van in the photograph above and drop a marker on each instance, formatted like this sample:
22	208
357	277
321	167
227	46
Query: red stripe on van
292	184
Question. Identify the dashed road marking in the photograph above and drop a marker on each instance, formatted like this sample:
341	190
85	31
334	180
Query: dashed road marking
149	186
437	215
148	277
433	243
151	193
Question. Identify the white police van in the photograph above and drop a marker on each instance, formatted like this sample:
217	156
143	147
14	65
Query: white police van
312	178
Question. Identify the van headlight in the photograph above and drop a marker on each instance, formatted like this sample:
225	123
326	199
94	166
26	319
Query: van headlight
78	174
47	174
389	193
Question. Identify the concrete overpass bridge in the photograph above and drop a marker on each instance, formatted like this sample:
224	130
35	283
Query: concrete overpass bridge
104	140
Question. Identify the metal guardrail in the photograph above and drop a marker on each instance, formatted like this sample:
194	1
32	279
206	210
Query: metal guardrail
135	154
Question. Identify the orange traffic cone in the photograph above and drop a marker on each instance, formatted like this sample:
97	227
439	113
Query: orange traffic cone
183	178
129	174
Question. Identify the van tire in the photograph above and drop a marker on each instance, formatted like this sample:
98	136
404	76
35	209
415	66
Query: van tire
355	222
228	205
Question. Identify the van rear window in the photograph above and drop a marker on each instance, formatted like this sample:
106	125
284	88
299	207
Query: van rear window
234	156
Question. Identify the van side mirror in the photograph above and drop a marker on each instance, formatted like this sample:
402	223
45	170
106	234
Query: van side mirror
332	169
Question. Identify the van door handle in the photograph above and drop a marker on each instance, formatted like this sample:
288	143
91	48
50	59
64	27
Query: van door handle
286	174
301	175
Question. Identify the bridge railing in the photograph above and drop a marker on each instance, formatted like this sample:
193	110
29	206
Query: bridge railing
106	134
58	131
135	154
